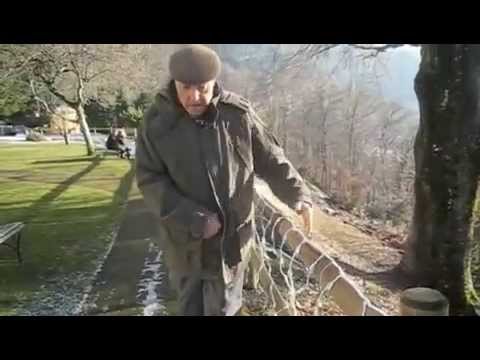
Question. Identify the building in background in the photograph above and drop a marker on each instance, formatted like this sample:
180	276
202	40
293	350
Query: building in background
64	119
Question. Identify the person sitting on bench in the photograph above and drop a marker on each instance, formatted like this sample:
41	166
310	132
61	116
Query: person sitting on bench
117	143
124	150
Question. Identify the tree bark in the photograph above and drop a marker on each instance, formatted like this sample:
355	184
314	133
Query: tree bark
66	136
438	250
85	129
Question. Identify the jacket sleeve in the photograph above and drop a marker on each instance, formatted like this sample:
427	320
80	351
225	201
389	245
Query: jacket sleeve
160	193
271	164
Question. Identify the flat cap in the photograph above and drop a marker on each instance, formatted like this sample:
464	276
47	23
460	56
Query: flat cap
194	64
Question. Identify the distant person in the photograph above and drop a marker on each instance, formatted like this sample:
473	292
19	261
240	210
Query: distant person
118	143
112	143
124	150
197	152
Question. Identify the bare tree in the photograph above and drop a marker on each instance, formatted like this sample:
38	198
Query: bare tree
47	106
75	73
357	108
387	139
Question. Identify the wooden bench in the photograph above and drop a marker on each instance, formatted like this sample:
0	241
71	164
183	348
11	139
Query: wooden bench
116	153
106	152
9	232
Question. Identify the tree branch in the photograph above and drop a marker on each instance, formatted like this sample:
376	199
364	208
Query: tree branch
90	78
18	68
80	87
376	48
38	98
51	87
305	52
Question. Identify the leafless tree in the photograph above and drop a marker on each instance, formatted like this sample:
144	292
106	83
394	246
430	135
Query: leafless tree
75	73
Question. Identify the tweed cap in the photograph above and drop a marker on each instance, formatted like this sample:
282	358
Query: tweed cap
194	64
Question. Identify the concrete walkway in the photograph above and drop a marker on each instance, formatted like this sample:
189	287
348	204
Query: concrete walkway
133	280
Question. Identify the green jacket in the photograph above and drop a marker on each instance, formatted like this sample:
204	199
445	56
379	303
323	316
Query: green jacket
184	169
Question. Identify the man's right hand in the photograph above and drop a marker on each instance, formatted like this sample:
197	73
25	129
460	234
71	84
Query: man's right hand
212	226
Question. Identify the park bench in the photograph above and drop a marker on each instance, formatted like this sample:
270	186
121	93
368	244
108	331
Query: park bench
12	232
116	153
106	152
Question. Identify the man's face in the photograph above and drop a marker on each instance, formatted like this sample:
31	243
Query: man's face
195	98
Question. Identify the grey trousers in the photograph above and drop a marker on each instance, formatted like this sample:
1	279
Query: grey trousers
210	296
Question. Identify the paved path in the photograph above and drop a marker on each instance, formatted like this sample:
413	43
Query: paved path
133	280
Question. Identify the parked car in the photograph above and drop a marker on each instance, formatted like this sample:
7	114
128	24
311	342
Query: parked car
20	129
7	130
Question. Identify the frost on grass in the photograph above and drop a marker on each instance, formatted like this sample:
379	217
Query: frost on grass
65	294
152	278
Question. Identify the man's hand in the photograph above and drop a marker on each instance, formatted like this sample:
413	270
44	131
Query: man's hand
305	210
212	226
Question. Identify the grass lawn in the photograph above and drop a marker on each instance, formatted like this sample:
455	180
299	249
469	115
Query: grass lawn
71	204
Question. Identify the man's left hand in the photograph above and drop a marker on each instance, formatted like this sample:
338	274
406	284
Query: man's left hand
305	210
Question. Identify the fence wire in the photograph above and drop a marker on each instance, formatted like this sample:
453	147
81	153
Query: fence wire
279	277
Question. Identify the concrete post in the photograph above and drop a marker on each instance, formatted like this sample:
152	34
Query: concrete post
423	302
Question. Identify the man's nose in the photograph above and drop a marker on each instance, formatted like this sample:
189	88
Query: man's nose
195	95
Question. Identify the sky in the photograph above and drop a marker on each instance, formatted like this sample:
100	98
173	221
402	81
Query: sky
401	69
397	76
390	75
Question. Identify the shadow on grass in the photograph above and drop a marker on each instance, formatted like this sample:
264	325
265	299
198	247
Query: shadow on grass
13	203
30	214
66	221
71	245
65	161
57	191
121	194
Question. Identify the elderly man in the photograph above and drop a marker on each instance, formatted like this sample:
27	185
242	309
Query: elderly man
197	153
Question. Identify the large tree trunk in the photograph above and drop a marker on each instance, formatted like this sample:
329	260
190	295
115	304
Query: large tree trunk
439	246
85	130
65	132
66	137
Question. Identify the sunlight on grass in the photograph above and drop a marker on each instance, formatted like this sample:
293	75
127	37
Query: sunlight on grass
70	204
